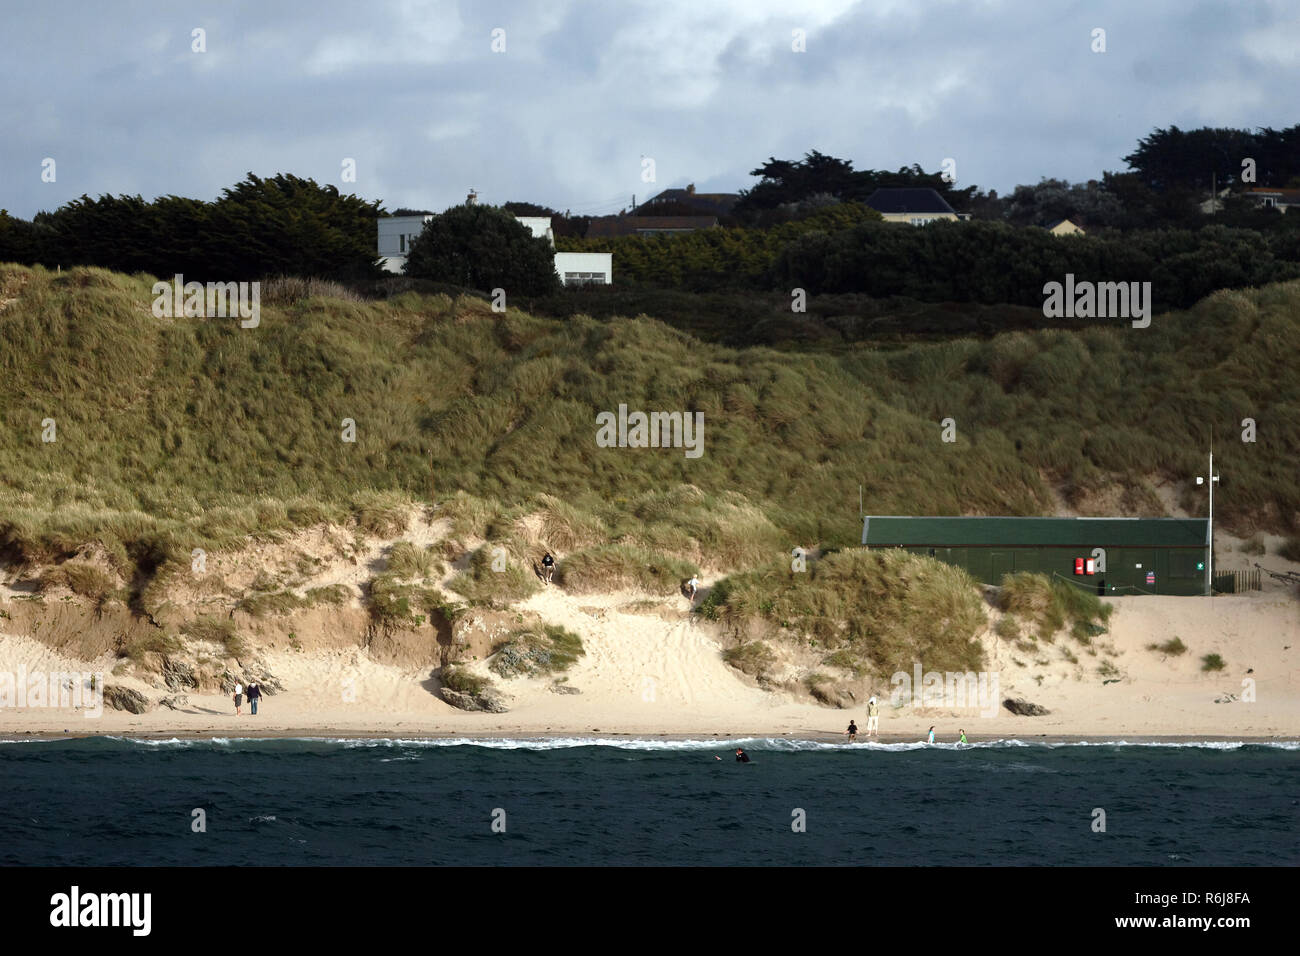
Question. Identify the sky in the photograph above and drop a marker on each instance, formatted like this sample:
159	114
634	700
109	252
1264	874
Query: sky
562	102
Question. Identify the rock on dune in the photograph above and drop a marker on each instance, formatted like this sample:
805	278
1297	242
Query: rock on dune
488	701
123	698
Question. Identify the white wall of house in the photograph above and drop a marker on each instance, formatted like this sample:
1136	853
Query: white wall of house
578	268
396	233
917	218
540	227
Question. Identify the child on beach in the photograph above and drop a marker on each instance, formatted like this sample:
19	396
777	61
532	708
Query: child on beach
962	740
239	697
931	740
852	731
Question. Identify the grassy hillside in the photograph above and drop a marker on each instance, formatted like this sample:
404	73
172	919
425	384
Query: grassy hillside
181	433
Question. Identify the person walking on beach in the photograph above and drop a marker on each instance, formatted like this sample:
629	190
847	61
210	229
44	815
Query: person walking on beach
873	718
254	695
239	697
852	731
931	740
548	567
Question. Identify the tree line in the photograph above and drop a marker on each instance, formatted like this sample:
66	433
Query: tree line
283	225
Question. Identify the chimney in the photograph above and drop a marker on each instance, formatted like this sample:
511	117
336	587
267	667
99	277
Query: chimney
472	198
690	190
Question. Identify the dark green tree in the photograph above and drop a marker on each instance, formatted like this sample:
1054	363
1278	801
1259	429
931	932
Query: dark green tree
483	247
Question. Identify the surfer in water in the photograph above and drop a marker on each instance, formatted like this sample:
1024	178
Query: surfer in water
741	756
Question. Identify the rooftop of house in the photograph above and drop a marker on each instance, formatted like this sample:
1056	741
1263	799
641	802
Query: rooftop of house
1289	195
907	200
716	202
629	225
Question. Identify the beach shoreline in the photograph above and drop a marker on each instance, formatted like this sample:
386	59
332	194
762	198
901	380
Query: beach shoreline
327	735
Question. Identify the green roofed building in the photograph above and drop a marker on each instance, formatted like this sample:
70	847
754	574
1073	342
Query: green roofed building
1112	556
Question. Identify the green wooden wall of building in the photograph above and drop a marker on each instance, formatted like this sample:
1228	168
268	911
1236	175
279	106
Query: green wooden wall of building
1142	555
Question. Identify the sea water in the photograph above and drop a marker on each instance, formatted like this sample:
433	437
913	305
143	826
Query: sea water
113	801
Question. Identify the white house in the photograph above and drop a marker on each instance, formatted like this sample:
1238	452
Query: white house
580	268
396	233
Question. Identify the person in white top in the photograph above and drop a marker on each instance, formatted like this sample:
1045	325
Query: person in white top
239	697
693	585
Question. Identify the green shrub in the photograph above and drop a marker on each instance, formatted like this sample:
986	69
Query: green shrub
619	566
405	560
463	681
1212	662
1172	647
81	578
495	578
532	651
381	513
889	608
334	594
753	658
274	602
218	631
393	604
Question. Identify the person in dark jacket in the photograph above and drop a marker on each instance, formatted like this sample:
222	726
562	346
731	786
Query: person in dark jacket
741	756
254	695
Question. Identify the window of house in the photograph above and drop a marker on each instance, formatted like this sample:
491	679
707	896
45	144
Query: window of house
578	278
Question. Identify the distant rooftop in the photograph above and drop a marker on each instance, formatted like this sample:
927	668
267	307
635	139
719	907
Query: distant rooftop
909	200
607	226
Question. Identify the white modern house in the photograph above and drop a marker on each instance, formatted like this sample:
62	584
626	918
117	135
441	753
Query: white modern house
396	233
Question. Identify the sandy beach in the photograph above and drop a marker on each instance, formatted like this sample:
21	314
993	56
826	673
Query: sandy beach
661	674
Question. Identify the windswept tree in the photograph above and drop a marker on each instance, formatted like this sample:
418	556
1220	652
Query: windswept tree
783	182
1171	159
259	227
483	247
